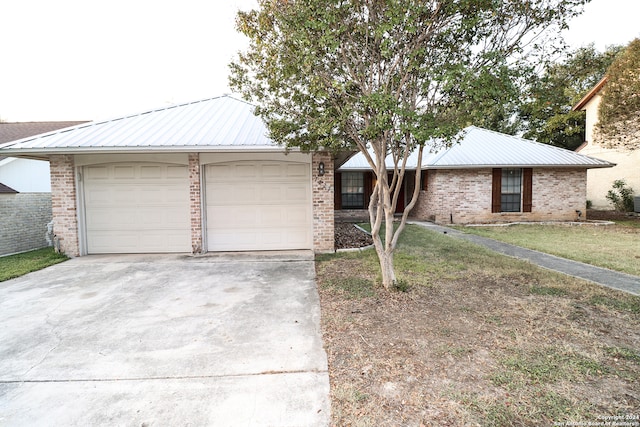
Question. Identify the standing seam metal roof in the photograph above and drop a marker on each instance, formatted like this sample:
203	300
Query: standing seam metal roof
484	148
216	122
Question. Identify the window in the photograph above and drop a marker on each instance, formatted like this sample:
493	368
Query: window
352	190
510	190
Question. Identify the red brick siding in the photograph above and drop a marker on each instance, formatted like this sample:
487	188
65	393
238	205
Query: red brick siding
323	201
63	203
465	196
195	205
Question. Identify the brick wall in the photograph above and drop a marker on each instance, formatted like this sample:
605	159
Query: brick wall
63	203
23	221
464	197
323	214
194	203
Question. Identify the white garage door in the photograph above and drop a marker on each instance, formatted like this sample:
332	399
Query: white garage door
258	205
137	208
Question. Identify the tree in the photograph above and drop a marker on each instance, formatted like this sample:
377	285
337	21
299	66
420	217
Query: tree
388	76
619	111
546	114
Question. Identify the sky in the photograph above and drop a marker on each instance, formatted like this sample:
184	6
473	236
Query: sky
93	60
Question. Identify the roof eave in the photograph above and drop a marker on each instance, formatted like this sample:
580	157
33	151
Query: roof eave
537	166
491	166
585	99
29	152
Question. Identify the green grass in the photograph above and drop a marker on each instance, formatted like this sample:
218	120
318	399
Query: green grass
13	266
546	365
623	353
631	304
614	247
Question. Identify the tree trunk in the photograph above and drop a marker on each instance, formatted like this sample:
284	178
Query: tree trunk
387	270
382	207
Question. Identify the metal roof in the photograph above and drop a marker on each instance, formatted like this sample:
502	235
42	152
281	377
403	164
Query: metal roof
480	148
209	124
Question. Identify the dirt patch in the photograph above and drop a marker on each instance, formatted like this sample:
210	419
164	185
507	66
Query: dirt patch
521	347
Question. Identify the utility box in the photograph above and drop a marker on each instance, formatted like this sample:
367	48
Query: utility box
636	204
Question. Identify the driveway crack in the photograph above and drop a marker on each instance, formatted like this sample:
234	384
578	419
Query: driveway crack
164	378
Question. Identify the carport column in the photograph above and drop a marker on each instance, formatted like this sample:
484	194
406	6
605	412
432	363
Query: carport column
195	205
63	203
322	187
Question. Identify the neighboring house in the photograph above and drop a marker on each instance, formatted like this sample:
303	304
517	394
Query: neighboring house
600	181
195	177
25	210
487	177
5	189
26	175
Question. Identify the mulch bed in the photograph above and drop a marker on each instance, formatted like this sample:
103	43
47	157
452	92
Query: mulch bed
349	236
593	214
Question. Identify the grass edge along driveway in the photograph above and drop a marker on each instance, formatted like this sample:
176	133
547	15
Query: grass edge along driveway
12	266
616	247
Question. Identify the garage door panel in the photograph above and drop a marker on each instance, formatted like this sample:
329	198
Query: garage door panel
150	172
258	193
271	194
123	172
295	193
272	171
298	216
137	208
258	205
177	172
226	194
111	221
138	242
297	170
240	215
97	172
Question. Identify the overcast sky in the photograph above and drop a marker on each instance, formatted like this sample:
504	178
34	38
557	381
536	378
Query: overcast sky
89	60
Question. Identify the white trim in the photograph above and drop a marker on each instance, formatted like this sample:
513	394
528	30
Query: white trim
97	159
209	158
203	209
80	209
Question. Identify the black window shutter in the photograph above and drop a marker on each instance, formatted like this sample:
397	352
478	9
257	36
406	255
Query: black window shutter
496	190
527	189
337	191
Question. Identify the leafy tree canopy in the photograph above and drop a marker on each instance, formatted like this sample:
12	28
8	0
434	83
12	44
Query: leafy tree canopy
619	112
387	74
546	113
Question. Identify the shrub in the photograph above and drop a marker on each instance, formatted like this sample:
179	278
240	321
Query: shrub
621	196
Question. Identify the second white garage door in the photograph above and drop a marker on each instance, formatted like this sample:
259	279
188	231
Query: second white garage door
258	205
137	208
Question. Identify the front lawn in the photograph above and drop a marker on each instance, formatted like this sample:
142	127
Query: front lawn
616	247
13	266
477	339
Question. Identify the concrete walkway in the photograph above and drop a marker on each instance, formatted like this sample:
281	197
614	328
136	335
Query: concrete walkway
155	340
602	276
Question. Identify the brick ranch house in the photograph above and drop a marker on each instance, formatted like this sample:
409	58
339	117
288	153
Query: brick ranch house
487	177
196	177
203	176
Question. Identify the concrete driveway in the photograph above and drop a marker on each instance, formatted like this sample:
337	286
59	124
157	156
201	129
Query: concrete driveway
145	340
